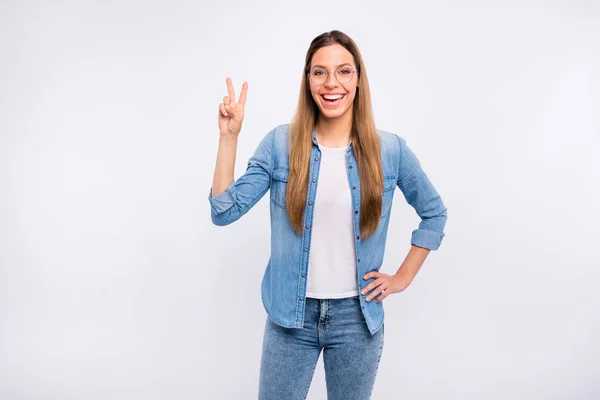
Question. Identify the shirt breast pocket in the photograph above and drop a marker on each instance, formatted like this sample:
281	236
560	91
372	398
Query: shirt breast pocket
279	186
389	184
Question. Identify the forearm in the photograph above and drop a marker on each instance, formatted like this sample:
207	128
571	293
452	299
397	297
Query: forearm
413	262
225	165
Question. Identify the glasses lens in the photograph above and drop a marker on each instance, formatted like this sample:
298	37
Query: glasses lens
344	74
318	75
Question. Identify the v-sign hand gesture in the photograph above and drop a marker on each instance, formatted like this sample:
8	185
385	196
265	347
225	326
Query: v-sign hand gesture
231	114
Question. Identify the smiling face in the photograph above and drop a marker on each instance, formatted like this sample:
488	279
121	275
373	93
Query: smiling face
327	94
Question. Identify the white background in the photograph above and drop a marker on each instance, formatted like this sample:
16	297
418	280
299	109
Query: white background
114	284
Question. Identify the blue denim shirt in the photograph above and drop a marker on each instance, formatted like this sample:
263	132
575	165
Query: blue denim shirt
283	288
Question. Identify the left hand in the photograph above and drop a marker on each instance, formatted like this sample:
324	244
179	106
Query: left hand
385	284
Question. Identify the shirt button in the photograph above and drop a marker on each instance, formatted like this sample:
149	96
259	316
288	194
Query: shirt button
300	298
353	187
307	226
358	237
316	158
310	203
350	167
355	211
285	177
314	180
359	260
305	249
303	275
363	306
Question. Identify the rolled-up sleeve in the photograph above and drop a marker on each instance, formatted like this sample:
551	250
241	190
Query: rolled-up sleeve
248	189
422	196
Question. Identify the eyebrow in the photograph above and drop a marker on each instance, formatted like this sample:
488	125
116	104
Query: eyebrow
336	67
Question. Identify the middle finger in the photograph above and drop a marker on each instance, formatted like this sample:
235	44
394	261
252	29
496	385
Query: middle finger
375	293
372	285
230	89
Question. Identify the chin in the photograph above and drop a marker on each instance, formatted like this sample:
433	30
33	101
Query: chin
333	113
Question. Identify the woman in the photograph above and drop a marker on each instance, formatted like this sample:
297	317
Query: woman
322	288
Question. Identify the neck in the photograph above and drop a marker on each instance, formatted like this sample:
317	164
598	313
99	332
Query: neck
334	132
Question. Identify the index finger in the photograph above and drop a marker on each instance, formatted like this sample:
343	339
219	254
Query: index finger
230	90
242	99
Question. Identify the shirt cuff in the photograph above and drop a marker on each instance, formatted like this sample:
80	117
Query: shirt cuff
427	239
223	201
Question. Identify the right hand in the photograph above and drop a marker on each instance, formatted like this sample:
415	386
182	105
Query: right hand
231	114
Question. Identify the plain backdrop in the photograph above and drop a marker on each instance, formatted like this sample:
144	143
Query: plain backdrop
114	283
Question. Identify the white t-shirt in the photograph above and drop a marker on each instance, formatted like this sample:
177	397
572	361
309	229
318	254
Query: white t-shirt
332	265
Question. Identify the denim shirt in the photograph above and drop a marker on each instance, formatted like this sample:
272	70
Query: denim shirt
283	288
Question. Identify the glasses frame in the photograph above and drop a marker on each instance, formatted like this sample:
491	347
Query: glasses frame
327	72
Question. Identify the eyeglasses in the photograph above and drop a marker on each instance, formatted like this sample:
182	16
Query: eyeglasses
319	76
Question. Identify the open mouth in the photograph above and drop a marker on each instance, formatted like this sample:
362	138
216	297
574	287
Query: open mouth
333	100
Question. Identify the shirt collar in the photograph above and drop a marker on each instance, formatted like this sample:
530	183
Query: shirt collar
314	139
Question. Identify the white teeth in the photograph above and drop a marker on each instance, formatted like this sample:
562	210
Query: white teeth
339	96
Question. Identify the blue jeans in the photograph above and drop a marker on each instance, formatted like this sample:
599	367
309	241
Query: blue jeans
350	353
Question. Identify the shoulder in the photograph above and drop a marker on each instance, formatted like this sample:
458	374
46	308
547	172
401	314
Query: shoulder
391	143
274	145
278	135
281	138
281	132
275	138
391	150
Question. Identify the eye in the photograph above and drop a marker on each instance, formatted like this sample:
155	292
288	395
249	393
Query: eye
345	71
317	72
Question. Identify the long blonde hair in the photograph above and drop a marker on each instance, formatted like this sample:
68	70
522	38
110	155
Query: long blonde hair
365	142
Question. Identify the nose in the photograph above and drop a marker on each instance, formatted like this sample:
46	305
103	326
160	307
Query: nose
330	80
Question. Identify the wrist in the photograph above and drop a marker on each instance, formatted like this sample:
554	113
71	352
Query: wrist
227	138
401	277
